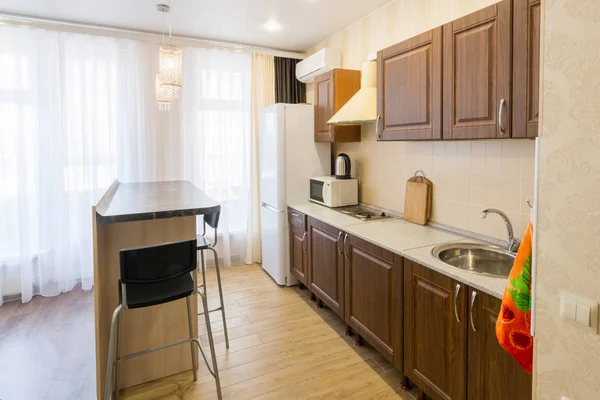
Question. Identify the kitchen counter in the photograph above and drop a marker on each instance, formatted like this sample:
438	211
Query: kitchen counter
126	202
409	240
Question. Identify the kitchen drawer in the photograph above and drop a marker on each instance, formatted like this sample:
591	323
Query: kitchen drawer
297	219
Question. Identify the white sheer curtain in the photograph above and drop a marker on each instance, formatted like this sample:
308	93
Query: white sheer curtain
77	111
57	146
216	139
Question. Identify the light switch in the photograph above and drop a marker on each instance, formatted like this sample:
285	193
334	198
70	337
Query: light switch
569	309
579	311
583	314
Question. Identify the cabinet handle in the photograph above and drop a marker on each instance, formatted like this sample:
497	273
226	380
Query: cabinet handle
295	215
500	115
339	241
473	297
331	134
345	251
304	242
456	292
377	127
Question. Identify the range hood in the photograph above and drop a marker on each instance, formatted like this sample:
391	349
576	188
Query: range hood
362	107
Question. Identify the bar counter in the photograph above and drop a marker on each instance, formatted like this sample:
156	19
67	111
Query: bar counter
132	215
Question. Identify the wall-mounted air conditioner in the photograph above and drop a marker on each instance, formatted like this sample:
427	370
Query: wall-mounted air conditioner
322	61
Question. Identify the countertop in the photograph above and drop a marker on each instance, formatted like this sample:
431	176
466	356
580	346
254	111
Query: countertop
411	241
126	202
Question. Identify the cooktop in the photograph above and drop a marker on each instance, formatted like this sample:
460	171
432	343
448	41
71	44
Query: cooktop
364	213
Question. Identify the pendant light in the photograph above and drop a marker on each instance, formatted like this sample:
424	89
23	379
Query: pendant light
168	80
170	68
164	96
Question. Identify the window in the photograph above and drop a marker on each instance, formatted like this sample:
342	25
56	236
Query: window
217	129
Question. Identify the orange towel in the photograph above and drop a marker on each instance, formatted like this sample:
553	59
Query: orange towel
514	323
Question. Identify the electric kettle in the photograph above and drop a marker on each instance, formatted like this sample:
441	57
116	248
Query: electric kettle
342	167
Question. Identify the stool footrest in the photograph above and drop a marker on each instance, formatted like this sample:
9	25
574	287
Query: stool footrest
209	311
166	346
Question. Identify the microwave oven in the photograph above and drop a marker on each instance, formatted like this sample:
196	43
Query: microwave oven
332	192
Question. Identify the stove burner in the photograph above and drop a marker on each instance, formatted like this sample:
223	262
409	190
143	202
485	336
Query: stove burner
363	213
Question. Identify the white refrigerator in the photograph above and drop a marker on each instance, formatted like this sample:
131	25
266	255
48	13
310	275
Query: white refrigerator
289	157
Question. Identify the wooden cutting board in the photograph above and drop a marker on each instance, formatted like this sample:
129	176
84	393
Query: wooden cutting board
417	202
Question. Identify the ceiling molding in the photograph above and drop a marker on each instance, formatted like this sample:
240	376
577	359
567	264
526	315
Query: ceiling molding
146	36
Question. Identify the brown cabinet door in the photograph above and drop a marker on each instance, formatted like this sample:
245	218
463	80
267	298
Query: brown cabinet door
323	107
298	253
526	68
333	89
435	332
374	296
477	74
409	89
493	373
326	265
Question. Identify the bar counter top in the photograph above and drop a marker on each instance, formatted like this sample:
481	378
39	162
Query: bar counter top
126	202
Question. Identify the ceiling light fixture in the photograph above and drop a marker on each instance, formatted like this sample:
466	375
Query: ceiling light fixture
164	96
272	26
168	80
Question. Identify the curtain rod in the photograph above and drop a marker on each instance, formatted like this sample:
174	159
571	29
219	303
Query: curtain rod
148	36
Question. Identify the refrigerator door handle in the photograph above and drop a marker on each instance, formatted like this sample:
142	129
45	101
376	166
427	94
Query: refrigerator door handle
271	208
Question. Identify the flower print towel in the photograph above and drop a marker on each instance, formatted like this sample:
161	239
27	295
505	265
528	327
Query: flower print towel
513	327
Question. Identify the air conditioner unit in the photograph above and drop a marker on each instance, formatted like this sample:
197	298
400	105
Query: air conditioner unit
322	61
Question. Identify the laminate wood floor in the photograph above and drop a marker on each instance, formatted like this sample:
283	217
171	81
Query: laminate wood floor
47	348
281	347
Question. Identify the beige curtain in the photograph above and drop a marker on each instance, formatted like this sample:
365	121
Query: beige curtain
263	94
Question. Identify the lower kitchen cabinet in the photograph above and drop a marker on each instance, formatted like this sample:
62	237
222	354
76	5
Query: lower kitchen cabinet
298	246
326	264
450	341
492	372
298	254
438	332
374	300
435	332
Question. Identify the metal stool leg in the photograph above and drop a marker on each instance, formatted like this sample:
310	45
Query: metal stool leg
221	296
117	364
203	268
111	345
203	285
210	335
191	330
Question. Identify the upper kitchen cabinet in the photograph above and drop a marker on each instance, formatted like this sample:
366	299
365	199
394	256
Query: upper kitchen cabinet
409	89
477	74
526	68
332	90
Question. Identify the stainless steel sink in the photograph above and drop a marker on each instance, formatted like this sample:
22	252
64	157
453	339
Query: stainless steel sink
477	258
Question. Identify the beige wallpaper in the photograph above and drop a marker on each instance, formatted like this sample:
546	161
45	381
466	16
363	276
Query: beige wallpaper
568	358
467	176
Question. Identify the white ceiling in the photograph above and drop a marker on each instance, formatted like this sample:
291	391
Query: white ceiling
304	23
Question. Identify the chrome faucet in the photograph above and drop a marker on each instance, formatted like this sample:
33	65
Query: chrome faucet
513	244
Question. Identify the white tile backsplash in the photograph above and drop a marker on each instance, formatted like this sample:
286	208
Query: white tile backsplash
468	176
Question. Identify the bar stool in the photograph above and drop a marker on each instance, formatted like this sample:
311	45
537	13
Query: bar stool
151	276
212	220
